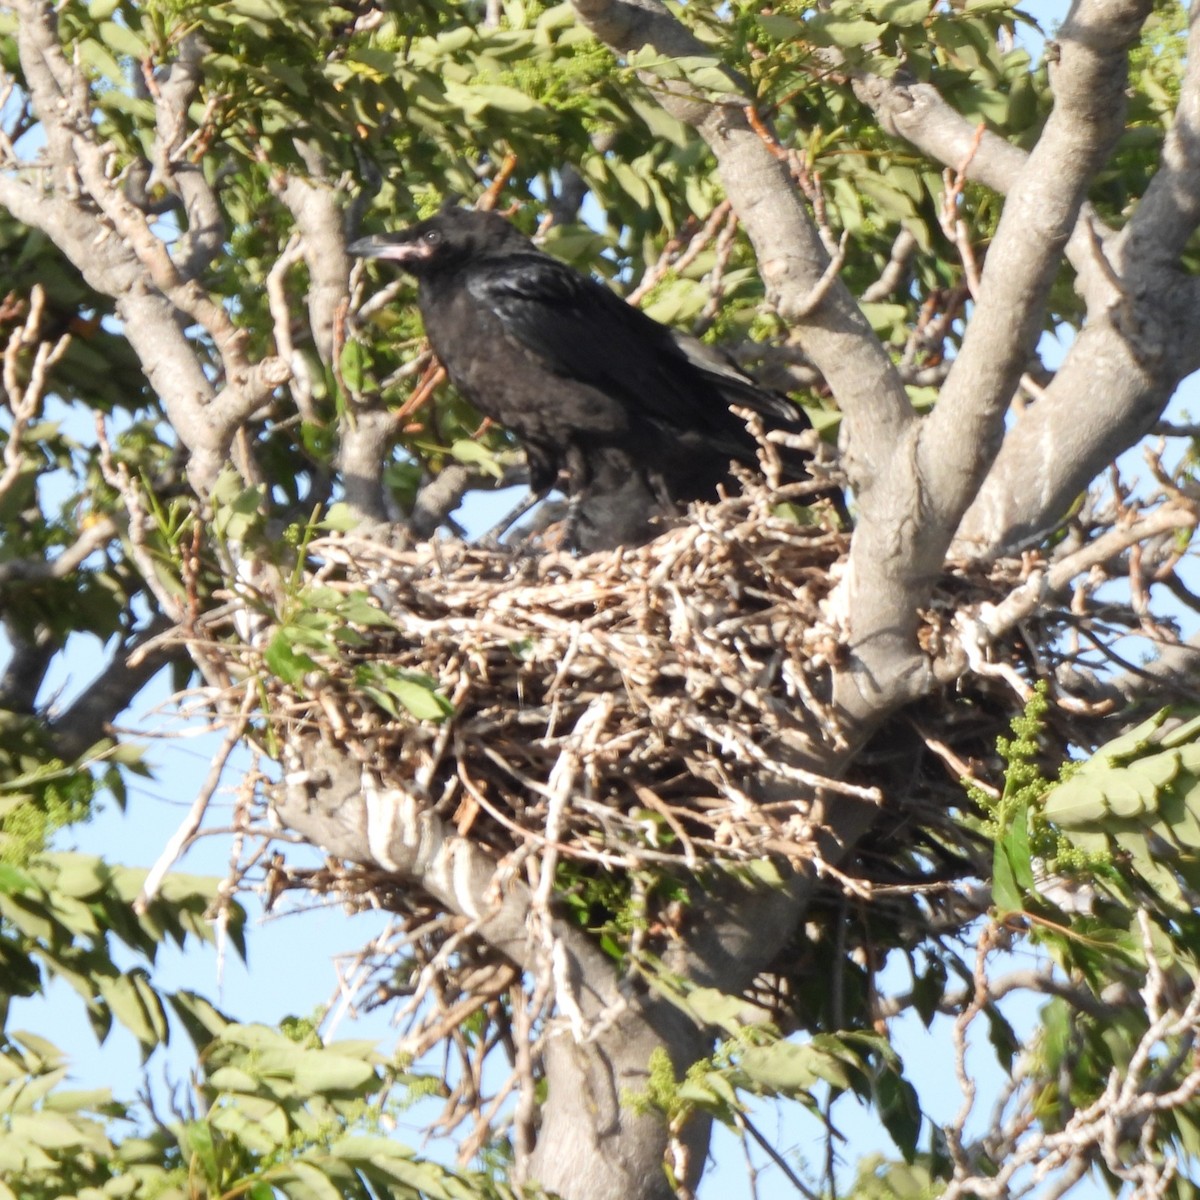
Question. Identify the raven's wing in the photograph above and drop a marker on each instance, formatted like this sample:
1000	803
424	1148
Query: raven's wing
582	331
735	386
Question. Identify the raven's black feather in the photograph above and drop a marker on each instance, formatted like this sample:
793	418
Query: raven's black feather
632	419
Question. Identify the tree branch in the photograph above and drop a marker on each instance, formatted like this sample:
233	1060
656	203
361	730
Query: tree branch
1169	212
960	438
917	113
34	570
943	469
1032	595
317	210
88	719
133	267
1123	368
599	1053
205	223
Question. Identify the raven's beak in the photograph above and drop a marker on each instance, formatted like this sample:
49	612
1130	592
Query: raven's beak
388	249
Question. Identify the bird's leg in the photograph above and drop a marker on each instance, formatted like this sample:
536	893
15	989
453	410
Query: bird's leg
571	520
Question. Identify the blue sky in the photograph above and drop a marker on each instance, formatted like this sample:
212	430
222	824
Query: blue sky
291	969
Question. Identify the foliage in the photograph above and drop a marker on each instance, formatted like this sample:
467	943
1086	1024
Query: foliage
268	1117
269	1113
116	531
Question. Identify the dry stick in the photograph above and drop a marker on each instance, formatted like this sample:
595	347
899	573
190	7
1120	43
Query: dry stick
491	197
117	476
181	838
1021	602
237	868
716	278
988	938
777	1158
696	243
433	377
281	319
1128	1101
455	1015
952	225
349	984
25	399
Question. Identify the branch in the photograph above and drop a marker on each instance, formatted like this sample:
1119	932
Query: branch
25	671
133	267
895	272
363	449
1169	212
179	841
1120	1126
935	477
317	210
205	223
40	570
917	113
1041	981
1033	594
1122	369
600	1052
88	719
962	434
1109	392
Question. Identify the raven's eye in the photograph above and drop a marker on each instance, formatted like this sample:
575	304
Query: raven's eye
432	237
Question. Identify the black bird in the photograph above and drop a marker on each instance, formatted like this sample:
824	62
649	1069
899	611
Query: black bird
630	418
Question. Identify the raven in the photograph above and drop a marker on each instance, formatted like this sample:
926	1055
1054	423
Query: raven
631	419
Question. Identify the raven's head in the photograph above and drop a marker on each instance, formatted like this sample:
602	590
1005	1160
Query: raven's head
453	236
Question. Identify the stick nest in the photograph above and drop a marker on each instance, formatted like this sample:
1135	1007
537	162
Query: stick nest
656	707
639	716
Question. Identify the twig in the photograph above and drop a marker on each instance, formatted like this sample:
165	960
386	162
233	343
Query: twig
188	827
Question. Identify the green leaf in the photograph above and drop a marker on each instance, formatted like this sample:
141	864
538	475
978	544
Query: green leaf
77	875
1012	868
1132	743
79	1100
351	364
704	72
392	690
283	660
137	1006
236	521
13	880
476	98
1076	803
258	1121
900	1110
304	1181
784	28
828	30
327	1071
123	40
53	1131
712	1007
473	453
1180	811
1002	1036
785	1068
339	518
98	60
899	12
24	1093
